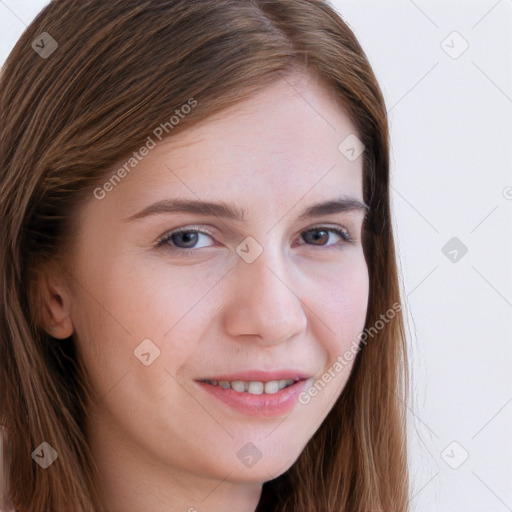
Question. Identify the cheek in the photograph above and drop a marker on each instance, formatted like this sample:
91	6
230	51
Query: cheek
126	304
340	299
341	305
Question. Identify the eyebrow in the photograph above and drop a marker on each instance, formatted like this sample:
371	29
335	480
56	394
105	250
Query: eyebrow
232	212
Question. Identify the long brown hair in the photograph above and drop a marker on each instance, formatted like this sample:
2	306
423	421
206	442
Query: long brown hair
121	67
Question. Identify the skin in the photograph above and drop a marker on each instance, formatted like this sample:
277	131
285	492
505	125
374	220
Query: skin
160	442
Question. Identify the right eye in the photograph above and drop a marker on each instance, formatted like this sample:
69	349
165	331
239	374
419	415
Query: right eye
183	239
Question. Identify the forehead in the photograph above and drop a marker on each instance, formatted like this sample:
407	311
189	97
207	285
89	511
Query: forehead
284	139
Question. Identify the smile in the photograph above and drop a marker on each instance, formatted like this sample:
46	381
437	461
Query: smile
253	387
256	398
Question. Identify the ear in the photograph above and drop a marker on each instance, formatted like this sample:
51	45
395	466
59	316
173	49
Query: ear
56	308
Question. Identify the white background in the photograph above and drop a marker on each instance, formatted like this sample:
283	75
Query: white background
451	136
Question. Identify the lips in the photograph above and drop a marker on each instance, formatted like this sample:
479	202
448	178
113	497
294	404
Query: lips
257	392
260	376
256	382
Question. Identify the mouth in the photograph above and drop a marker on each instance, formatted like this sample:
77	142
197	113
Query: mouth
255	395
254	387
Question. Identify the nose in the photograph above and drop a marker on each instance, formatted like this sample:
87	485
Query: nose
263	302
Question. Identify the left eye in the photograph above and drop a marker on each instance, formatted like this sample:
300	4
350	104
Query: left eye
322	234
188	238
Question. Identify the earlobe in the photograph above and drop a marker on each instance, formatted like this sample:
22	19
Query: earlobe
57	316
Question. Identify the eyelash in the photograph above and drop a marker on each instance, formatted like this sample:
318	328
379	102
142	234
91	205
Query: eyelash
164	240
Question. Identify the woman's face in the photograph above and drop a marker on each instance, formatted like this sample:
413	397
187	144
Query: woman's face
278	295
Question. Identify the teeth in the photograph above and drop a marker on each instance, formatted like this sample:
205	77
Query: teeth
238	385
272	387
253	387
256	388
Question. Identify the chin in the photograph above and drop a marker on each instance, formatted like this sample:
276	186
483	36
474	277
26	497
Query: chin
262	471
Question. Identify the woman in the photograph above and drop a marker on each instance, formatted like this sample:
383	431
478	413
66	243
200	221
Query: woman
201	306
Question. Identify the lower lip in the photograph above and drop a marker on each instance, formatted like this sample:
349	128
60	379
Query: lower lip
266	405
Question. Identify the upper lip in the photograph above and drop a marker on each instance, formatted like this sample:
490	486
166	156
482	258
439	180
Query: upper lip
261	375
